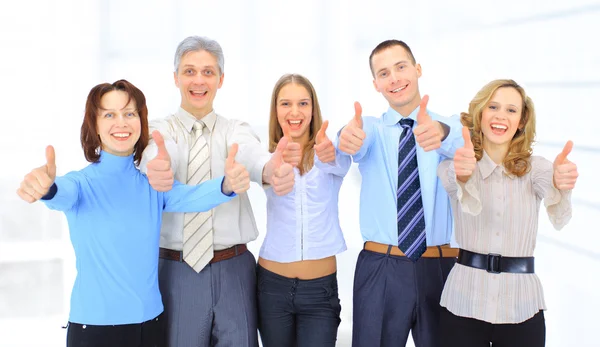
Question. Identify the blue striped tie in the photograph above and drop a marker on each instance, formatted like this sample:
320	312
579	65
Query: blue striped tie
411	218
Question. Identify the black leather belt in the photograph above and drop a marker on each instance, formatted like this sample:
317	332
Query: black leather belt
496	263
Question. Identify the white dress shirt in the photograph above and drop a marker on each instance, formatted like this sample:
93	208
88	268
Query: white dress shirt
233	222
304	224
497	212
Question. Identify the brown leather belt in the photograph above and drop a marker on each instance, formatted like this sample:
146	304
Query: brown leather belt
443	251
221	255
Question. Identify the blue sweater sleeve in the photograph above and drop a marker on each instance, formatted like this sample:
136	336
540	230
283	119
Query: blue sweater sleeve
198	198
66	193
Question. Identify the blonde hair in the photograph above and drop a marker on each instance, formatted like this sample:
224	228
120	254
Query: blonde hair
275	131
516	161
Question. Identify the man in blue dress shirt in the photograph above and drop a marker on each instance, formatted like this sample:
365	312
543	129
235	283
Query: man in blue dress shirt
405	216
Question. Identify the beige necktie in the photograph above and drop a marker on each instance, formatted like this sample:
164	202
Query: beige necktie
197	230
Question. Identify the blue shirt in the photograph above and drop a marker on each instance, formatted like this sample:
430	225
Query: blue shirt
304	224
114	219
378	164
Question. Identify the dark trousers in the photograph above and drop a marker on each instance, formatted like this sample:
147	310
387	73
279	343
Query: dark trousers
150	333
394	295
216	307
297	313
468	332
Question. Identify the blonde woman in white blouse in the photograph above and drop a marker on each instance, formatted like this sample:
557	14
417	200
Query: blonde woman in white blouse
298	302
492	294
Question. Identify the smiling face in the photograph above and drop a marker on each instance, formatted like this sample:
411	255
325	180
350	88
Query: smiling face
118	123
294	109
396	77
501	118
198	78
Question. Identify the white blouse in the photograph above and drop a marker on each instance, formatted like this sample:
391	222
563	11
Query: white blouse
304	224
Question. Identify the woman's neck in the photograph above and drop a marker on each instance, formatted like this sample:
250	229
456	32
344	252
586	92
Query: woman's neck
496	152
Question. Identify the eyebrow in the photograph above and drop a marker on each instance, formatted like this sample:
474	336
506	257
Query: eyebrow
305	99
201	67
496	102
123	109
396	64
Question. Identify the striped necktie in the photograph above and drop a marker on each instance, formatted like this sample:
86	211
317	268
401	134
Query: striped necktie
410	217
197	230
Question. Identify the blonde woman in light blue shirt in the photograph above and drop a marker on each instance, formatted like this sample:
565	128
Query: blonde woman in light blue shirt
298	302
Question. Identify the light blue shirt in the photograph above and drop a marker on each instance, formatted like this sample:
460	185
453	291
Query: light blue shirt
378	164
114	219
304	224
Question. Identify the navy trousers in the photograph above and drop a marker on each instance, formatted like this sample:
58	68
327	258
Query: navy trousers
393	295
297	313
216	307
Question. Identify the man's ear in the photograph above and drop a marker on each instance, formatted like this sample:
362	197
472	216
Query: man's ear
221	80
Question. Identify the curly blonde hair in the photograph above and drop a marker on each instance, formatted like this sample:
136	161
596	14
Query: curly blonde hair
516	161
275	131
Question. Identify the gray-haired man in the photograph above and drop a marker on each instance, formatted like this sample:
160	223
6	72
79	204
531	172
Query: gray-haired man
206	275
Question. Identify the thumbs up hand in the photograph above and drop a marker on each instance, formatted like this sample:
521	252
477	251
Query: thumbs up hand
37	183
283	177
428	133
159	173
352	136
565	171
293	151
237	178
464	158
323	146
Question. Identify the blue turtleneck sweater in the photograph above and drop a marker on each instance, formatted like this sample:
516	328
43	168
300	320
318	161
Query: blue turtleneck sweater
114	219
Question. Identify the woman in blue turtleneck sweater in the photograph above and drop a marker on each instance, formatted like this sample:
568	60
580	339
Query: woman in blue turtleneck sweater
114	220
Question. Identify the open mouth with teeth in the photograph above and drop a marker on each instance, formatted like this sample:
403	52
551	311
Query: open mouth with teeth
198	94
498	129
295	124
399	89
121	136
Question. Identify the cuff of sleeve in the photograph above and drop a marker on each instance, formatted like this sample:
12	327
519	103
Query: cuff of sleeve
558	205
468	195
51	192
256	173
233	194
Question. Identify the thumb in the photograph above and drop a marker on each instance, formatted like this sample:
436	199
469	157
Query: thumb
358	114
560	159
466	134
286	132
51	161
322	135
422	116
231	156
160	143
278	155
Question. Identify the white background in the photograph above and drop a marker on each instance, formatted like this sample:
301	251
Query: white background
53	52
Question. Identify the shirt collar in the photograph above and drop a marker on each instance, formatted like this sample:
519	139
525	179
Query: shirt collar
391	117
188	120
487	166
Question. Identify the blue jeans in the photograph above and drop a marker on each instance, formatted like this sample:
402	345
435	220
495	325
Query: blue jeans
297	313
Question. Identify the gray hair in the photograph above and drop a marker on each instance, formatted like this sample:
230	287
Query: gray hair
200	43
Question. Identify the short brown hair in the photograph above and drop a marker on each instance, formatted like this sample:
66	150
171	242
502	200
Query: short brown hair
90	141
387	44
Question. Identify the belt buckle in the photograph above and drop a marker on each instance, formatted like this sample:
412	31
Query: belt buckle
493	263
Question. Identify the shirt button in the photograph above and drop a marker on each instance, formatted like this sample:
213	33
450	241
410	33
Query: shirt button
497	234
498	214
